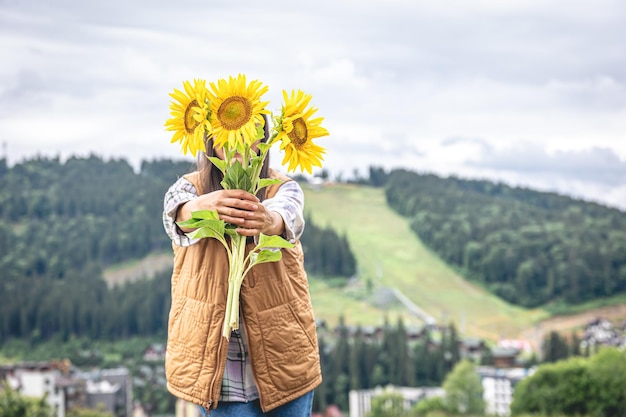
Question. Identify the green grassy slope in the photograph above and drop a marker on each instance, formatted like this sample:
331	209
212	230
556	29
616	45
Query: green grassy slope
392	255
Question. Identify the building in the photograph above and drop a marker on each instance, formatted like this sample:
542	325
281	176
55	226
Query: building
505	357
35	379
472	349
123	378
498	386
110	389
64	389
102	395
154	353
601	332
360	401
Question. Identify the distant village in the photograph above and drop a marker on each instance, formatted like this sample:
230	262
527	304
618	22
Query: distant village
65	386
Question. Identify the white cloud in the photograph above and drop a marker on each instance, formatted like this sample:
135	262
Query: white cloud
395	81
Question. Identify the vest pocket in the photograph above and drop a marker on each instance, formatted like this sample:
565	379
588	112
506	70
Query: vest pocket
191	325
187	339
290	350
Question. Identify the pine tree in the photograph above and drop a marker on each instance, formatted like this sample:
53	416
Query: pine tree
358	379
555	348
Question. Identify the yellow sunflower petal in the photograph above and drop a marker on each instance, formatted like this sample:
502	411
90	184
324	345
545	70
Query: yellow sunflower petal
235	108
188	111
296	131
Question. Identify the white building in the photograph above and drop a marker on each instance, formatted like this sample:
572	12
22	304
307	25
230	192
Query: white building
37	380
498	386
64	388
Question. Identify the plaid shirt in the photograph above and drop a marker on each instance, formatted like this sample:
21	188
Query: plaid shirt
238	381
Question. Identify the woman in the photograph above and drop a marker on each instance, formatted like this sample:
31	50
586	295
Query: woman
270	366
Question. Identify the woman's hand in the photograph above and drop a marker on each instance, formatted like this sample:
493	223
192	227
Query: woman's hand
263	221
237	207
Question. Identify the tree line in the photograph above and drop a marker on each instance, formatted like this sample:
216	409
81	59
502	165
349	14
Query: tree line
578	386
63	223
528	247
353	360
326	253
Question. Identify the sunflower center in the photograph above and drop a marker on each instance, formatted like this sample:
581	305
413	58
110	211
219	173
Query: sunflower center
234	112
190	122
299	133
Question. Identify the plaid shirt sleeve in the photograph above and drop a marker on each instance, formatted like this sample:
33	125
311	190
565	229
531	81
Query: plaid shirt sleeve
289	203
179	193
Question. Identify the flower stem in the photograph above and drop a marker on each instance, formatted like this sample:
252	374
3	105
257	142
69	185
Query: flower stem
235	279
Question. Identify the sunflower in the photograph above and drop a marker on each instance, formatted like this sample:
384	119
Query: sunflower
296	131
236	110
190	116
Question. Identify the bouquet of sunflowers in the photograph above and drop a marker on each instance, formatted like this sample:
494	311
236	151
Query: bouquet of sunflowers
232	113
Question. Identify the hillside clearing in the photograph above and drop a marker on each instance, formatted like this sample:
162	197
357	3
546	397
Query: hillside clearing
390	254
144	268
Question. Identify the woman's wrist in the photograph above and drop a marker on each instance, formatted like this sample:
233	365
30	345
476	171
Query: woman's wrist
184	213
278	224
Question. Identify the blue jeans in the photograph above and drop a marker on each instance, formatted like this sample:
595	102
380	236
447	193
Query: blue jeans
300	407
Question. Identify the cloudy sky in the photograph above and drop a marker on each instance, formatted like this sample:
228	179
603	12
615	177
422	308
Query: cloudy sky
528	92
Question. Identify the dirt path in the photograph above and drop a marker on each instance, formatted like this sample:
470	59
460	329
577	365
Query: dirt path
147	267
571	323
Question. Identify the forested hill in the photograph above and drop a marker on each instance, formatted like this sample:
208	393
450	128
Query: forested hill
63	222
529	247
83	210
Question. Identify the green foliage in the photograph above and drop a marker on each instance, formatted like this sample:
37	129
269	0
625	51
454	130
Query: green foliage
327	253
464	390
561	387
13	404
530	248
607	371
388	404
87	412
237	178
63	223
430	406
378	176
555	348
60	225
577	386
354	362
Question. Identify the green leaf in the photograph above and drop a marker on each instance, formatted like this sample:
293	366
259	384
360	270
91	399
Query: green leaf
250	170
205	214
260	132
219	163
263	148
230	229
273	242
266	255
211	228
264	182
189	224
256	163
235	178
197	219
